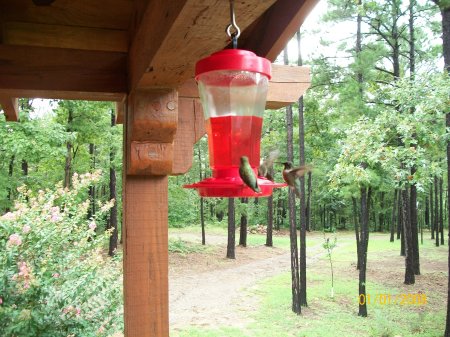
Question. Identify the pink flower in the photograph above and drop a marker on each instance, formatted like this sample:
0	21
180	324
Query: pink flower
77	311
15	240
8	216
23	269
92	225
55	275
1	300
26	229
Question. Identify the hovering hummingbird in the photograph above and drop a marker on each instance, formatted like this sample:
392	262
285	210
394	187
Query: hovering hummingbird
291	175
266	168
247	175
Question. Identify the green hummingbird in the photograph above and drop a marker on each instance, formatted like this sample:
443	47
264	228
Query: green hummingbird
247	175
291	175
266	168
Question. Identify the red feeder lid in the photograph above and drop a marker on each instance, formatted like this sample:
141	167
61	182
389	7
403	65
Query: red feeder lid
234	59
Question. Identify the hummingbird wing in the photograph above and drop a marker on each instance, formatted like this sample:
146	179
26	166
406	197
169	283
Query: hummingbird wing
301	170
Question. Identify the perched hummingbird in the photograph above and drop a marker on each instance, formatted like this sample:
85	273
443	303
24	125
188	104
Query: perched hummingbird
247	175
266	168
291	176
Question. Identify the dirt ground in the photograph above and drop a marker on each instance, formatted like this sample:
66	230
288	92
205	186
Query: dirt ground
208	290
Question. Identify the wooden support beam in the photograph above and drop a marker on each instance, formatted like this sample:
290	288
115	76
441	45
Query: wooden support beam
10	106
267	37
62	70
146	308
61	36
168	58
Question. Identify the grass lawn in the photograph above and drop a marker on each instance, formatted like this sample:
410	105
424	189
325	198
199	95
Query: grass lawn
337	316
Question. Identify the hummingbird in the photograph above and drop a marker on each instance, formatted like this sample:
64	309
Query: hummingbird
291	175
247	175
266	168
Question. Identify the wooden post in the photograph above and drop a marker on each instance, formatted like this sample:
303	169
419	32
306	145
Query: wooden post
150	127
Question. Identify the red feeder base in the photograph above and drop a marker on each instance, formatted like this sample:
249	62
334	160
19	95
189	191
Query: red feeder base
228	184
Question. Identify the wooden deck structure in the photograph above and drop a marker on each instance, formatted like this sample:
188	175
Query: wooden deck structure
141	54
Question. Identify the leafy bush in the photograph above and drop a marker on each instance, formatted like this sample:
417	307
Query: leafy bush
56	279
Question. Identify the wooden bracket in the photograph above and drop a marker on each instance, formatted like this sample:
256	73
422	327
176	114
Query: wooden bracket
152	119
10	106
191	127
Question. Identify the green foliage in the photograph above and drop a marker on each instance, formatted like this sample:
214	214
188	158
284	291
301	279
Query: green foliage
56	278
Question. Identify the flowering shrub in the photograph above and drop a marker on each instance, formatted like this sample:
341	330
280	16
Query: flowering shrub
55	277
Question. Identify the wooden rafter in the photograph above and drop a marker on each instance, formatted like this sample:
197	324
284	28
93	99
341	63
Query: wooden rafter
178	38
10	106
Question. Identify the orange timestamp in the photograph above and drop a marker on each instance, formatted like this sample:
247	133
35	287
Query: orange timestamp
399	299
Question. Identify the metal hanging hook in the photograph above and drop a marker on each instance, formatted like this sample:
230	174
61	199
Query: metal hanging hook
237	32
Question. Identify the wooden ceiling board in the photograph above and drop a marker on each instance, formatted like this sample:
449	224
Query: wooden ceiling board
70	37
197	31
110	14
36	68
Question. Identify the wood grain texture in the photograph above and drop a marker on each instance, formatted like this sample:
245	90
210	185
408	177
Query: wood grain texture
192	30
48	69
110	14
191	127
10	106
59	36
268	35
152	117
146	257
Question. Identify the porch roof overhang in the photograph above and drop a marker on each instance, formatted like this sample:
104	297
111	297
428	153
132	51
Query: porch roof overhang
107	49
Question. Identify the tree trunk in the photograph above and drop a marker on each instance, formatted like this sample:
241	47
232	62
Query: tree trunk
10	189
112	224
355	221
414	232
409	259
308	202
393	216
365	202
399	217
91	210
427	213
441	210
68	165
269	242
202	201
433	220
231	230
436	210
243	226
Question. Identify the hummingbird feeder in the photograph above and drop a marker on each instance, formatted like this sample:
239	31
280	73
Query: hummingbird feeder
233	87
